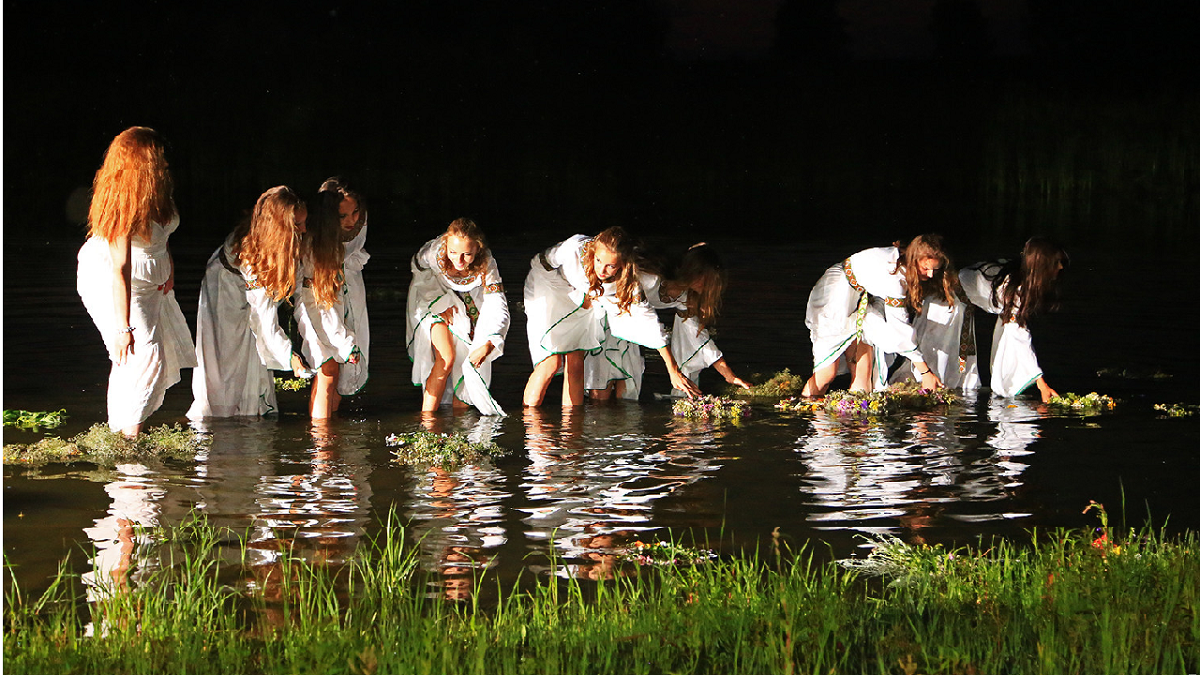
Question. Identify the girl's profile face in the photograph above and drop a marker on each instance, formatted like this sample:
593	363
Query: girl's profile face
929	267
301	218
348	214
461	252
605	262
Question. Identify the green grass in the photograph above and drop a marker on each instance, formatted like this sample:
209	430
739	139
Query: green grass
34	421
1069	602
449	451
100	445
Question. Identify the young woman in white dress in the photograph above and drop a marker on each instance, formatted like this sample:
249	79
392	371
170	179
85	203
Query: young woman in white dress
352	217
238	337
694	289
577	292
858	312
319	306
1016	290
457	319
126	277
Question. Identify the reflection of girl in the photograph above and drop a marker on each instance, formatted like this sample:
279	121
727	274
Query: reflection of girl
574	292
457	319
693	289
320	311
126	278
238	338
858	309
1014	289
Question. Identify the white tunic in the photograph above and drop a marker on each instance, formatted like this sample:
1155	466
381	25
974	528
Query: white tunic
238	342
558	323
481	317
691	346
323	329
353	376
162	342
861	297
947	334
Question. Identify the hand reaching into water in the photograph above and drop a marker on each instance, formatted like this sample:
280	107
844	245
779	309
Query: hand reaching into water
931	381
684	384
1045	390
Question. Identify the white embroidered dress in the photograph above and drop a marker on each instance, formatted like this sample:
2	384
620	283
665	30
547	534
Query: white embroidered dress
323	329
947	335
691	346
238	342
481	316
861	297
162	342
354	376
558	323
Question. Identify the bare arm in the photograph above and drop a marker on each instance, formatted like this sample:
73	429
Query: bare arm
726	372
677	379
1045	390
119	252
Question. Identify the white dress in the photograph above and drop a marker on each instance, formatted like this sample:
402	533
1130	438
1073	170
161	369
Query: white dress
861	297
558	323
481	316
691	346
353	376
238	342
162	342
947	335
323	329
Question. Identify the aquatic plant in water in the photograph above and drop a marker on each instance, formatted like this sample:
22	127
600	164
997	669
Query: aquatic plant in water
781	384
100	445
665	553
1177	409
1087	402
34	421
425	448
1134	373
860	404
710	408
291	383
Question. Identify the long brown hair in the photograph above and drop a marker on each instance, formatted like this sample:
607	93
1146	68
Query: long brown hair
628	288
701	263
268	244
1028	286
322	244
132	188
338	185
467	229
924	247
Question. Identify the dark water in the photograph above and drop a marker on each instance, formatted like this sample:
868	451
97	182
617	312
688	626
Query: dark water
579	485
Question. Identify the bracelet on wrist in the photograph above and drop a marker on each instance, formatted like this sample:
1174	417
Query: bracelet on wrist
927	371
127	329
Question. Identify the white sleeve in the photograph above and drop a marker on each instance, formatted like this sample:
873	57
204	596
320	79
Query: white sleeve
334	324
692	346
639	325
494	318
274	347
356	253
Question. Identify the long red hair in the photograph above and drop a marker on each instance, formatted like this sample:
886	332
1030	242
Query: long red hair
270	242
628	288
702	264
132	188
923	247
323	245
1030	286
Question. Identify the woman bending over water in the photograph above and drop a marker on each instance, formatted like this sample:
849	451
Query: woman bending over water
1014	289
352	218
860	308
694	289
319	308
238	338
457	319
575	291
126	277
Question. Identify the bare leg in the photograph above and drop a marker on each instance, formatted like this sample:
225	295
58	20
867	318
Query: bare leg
324	397
861	357
572	394
601	394
133	431
443	364
539	380
819	382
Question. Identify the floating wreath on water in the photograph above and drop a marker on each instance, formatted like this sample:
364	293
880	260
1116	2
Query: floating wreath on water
1177	409
781	384
857	404
34	421
291	383
425	448
100	445
1088	402
664	553
711	408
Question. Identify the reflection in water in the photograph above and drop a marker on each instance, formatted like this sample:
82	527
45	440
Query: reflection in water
122	544
873	478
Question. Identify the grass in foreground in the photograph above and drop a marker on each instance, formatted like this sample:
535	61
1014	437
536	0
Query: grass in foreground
100	445
1072	602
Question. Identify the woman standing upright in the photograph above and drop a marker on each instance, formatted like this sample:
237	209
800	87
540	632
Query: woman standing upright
320	309
238	338
127	277
577	291
457	319
860	309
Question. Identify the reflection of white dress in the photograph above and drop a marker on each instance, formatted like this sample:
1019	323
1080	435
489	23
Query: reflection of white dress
691	346
481	316
947	335
323	329
861	297
353	376
162	342
558	323
238	342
